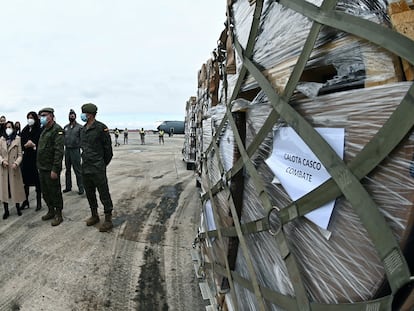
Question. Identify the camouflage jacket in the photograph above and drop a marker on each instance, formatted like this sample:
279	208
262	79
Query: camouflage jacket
50	149
96	148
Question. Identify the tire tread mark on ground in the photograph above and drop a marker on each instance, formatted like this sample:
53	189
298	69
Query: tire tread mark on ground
151	286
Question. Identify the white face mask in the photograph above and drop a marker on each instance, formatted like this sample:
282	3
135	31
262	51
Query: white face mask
30	122
9	131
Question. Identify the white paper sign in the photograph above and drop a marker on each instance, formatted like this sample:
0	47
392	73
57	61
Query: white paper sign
299	170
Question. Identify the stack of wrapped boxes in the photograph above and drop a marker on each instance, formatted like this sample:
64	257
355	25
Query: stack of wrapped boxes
308	187
190	128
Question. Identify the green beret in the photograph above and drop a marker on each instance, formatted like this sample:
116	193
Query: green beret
89	108
48	110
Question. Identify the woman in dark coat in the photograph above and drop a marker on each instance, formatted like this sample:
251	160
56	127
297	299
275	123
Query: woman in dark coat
30	137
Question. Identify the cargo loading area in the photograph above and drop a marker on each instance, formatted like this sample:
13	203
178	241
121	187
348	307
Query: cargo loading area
301	138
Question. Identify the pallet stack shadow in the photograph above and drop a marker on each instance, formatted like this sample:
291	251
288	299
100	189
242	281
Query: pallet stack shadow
305	65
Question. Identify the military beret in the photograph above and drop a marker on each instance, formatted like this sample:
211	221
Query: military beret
89	108
48	110
72	112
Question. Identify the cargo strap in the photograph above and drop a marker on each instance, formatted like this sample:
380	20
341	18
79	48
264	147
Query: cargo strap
391	133
216	221
379	231
236	221
248	52
376	33
302	301
347	179
385	140
288	303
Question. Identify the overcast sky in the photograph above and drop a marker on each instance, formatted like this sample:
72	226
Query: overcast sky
136	60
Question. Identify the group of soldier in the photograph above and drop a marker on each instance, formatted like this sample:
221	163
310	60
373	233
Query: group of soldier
53	144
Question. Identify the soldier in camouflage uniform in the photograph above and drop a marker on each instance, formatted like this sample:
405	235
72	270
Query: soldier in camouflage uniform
96	154
50	150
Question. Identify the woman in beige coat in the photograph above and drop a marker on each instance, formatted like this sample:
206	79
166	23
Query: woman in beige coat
11	181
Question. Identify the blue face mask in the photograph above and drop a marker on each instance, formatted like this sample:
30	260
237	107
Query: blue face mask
84	117
43	120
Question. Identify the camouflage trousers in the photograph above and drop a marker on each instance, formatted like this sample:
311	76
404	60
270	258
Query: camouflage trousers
51	190
99	181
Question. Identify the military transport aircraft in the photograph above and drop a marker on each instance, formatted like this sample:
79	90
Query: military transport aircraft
172	127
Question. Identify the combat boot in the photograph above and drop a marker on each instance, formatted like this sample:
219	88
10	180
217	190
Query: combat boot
107	224
50	214
94	219
58	217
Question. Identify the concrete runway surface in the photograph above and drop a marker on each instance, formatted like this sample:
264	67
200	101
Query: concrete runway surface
143	264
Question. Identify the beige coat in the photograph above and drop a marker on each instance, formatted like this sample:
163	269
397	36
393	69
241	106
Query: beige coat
13	154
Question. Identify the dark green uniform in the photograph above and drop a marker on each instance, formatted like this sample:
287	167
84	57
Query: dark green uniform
50	151
73	156
96	154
